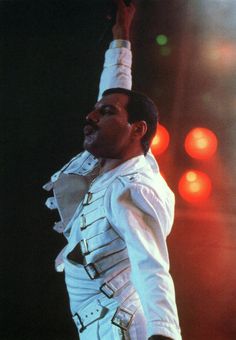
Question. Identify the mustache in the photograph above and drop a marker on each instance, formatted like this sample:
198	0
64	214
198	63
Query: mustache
90	123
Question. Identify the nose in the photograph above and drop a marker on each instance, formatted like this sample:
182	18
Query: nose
93	116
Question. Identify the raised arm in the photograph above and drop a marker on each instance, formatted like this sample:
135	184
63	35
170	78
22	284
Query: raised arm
118	58
116	73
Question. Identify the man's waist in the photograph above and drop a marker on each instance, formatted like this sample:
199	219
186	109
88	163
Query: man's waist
96	308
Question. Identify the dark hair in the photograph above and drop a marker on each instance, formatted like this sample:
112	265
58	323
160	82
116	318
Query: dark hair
140	107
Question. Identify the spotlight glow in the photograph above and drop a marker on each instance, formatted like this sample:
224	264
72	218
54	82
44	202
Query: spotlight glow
220	54
160	141
194	186
200	143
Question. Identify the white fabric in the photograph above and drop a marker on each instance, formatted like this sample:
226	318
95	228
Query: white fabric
140	207
117	70
103	329
142	210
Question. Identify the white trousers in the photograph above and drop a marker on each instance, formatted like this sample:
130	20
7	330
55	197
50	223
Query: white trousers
103	329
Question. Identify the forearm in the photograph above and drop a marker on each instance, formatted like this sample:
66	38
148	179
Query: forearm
117	69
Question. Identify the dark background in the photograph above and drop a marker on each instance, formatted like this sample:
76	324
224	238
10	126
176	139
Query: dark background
51	58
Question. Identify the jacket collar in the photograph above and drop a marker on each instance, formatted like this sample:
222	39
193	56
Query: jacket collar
136	164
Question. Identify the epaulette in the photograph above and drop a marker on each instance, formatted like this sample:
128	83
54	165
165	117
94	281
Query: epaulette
129	178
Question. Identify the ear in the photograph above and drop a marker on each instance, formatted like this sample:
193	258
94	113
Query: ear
139	128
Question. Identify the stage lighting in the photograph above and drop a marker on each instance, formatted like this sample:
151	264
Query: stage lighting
194	186
200	143
161	39
160	141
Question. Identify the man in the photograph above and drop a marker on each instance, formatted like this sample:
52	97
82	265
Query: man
116	212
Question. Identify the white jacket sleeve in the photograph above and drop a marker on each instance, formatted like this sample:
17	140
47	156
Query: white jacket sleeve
116	70
143	220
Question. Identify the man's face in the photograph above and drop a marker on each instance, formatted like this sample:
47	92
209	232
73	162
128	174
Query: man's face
108	134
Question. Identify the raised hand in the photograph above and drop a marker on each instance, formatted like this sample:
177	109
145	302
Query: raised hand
124	18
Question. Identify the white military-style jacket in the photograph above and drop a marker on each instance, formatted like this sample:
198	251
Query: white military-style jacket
118	223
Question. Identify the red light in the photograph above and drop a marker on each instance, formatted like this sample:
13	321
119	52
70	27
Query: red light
200	143
220	54
160	141
194	186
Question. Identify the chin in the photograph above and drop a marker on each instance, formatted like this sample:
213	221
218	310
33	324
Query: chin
99	152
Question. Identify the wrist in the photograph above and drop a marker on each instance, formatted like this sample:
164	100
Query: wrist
120	33
118	43
121	36
159	337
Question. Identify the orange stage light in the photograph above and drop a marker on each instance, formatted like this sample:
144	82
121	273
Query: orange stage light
194	186
160	141
200	143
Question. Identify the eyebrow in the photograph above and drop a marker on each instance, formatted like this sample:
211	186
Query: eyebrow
104	106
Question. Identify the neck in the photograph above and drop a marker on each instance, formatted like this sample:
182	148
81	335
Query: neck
107	164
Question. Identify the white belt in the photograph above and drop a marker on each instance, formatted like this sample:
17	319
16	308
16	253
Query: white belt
97	309
91	244
92	312
124	314
112	287
94	269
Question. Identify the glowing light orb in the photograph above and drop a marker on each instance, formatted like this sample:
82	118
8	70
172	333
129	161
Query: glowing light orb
161	39
220	54
160	141
200	143
194	186
165	51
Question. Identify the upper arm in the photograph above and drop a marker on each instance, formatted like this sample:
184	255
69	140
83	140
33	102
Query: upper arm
141	218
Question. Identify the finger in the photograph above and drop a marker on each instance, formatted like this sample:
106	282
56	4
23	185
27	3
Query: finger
132	8
120	4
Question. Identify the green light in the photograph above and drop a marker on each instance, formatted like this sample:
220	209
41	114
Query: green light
161	39
165	51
